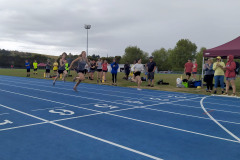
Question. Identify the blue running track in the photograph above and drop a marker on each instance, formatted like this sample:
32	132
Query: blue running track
39	121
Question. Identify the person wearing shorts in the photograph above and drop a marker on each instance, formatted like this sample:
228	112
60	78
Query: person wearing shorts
35	67
138	68
92	69
151	67
230	74
86	69
127	70
194	69
82	61
188	69
48	67
55	67
218	67
105	70
61	69
99	70
27	64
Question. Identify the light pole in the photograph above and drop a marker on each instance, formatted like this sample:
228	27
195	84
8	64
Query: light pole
87	27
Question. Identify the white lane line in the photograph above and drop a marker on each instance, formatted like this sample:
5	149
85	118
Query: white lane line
45	109
82	133
41	119
178	129
47	100
25	95
87	87
85	91
188	115
225	129
66	94
93	114
3	114
92	98
127	117
218	110
23	126
108	142
223	104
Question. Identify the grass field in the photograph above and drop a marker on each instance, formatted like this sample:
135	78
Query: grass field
170	78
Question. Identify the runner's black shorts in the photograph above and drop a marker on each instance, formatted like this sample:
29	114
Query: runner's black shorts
137	74
35	69
28	70
61	71
188	74
99	70
47	70
81	71
105	70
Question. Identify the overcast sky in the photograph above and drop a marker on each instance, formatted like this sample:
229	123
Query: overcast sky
54	26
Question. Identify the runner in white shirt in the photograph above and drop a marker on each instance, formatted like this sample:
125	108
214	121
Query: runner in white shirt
138	68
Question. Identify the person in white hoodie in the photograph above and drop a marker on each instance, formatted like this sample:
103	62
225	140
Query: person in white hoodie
137	69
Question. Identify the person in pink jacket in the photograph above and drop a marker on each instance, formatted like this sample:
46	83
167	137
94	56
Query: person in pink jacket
230	74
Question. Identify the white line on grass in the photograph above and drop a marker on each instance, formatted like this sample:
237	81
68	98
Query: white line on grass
225	129
85	134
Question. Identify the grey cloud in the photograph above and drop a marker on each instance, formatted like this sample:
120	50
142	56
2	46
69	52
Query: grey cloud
56	26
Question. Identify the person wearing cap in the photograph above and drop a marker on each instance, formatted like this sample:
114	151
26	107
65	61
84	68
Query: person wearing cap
151	67
230	74
188	69
218	67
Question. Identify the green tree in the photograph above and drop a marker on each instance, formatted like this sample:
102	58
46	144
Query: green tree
199	58
161	57
183	51
133	53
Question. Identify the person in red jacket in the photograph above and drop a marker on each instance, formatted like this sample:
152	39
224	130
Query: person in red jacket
230	74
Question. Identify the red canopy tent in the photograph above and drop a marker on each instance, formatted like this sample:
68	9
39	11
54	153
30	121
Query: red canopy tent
229	48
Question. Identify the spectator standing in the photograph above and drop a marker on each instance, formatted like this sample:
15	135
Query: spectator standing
27	64
35	67
218	67
114	71
92	69
105	70
230	74
194	69
151	67
55	67
48	67
188	69
127	70
209	74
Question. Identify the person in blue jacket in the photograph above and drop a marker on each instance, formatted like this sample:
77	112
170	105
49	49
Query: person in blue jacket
27	64
114	71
